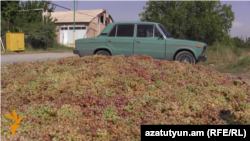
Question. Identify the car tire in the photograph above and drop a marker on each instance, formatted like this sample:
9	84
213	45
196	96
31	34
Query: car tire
102	52
185	56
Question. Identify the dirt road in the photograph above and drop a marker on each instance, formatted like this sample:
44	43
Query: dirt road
33	57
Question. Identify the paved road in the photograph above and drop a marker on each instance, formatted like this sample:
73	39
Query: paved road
33	57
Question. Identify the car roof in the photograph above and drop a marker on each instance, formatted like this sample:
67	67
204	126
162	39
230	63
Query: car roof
110	25
134	22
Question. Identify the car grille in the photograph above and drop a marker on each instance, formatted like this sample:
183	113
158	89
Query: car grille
204	50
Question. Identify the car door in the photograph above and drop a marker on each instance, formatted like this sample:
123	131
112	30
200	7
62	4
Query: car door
149	41
121	39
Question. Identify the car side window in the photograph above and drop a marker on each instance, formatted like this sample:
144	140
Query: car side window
157	33
145	31
148	31
125	31
112	33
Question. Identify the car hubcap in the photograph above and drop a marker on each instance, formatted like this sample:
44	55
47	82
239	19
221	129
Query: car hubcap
186	58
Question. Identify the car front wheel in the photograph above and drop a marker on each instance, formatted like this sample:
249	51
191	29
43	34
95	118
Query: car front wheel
185	56
102	52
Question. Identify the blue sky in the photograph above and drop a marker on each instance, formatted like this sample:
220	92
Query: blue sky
129	11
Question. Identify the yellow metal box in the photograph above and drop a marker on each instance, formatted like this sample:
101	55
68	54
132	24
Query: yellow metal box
14	41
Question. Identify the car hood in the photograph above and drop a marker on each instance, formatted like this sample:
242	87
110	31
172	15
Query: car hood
84	40
186	42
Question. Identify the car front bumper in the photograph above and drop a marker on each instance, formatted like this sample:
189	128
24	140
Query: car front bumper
202	58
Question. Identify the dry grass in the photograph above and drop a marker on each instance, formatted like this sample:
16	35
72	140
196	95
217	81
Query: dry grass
228	59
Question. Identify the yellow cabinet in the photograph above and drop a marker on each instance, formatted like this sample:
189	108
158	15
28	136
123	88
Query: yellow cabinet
14	41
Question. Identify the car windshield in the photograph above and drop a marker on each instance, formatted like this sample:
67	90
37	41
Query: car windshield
164	30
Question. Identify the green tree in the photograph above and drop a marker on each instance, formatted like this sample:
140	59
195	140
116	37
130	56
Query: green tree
227	40
4	27
8	14
41	33
206	21
238	42
9	9
33	16
247	44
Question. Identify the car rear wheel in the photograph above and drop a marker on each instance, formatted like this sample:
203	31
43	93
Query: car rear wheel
185	56
102	52
80	55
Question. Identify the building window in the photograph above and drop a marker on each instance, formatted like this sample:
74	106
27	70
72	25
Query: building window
77	28
64	28
102	19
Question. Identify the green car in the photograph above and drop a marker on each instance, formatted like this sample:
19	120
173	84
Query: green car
148	38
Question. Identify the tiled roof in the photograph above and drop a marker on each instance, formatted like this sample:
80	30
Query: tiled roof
80	15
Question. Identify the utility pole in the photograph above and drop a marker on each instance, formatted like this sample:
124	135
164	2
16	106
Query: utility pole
46	6
74	25
46	9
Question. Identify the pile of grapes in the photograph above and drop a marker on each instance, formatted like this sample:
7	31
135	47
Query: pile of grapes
108	98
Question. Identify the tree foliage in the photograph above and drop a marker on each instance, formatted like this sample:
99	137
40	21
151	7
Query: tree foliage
34	16
247	43
40	29
9	10
241	43
206	21
238	42
4	26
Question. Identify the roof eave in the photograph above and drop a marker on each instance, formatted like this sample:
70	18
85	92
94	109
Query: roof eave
111	18
72	22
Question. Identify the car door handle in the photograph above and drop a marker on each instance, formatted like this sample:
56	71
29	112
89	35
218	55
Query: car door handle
109	40
137	41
